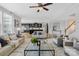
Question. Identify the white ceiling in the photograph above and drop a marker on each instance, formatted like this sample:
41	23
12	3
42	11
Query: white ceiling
57	11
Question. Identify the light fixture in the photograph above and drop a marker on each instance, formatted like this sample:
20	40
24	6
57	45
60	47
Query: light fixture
18	30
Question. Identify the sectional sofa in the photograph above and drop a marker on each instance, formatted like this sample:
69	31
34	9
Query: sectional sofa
13	43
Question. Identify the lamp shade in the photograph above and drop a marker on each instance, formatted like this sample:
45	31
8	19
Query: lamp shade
18	29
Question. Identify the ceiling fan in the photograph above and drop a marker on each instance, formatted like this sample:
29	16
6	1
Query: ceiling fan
41	5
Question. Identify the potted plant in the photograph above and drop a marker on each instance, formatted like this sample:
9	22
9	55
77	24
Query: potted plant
34	40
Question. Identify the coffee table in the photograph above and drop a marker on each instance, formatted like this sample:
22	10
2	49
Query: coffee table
38	49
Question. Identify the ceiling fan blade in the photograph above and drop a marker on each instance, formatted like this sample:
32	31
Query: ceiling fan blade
45	8
40	4
33	6
47	4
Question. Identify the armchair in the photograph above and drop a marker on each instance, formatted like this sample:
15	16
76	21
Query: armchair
76	43
67	42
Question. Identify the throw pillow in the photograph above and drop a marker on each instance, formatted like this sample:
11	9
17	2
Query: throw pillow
3	42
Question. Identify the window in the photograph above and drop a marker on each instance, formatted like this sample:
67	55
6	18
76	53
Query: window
0	22
7	23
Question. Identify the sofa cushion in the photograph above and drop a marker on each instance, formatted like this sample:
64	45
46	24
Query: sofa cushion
71	51
5	51
76	46
15	42
13	37
76	43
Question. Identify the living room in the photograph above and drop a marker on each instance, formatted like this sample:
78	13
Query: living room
39	29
